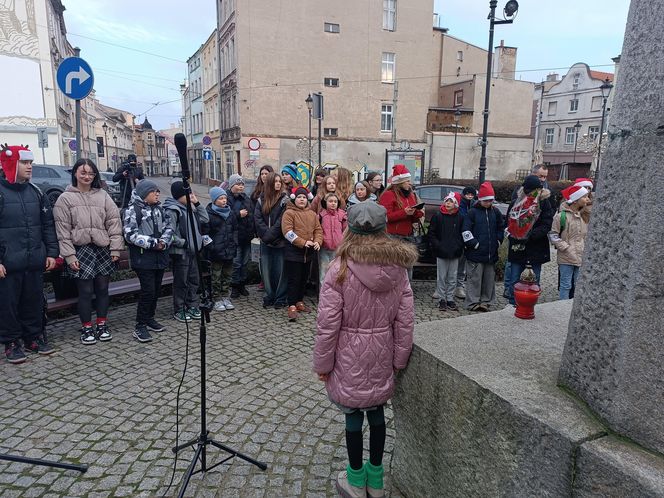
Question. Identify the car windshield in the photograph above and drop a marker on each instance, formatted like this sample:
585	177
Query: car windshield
106	176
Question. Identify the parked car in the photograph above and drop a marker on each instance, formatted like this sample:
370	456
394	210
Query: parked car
52	180
433	195
113	188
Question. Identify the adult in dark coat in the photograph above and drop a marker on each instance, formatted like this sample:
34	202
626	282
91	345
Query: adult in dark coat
127	176
28	246
534	250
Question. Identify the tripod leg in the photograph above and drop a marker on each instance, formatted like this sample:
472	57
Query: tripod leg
233	452
190	470
184	445
46	463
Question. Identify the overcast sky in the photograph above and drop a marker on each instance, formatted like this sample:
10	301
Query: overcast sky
549	35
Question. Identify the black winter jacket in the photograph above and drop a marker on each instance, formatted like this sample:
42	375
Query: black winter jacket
27	229
128	182
268	227
483	231
445	235
223	233
245	230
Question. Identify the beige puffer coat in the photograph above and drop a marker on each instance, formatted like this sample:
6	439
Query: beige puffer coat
83	218
571	241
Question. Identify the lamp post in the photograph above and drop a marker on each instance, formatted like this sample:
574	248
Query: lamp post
105	128
577	127
310	105
115	162
606	91
509	12
457	116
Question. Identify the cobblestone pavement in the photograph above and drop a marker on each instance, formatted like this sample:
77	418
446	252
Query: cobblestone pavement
112	406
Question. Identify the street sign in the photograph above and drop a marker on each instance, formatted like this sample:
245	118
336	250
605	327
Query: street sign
254	144
207	155
75	78
207	140
42	136
72	145
317	112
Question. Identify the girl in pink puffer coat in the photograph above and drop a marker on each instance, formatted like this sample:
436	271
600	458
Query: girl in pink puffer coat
365	334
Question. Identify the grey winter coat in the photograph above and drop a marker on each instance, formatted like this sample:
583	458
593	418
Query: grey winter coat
183	233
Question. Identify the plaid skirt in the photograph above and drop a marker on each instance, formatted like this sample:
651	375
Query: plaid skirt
93	261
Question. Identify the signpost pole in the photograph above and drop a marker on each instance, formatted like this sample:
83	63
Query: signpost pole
77	53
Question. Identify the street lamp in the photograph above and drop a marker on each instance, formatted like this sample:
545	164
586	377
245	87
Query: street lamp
310	105
115	162
457	116
105	128
606	91
509	13
150	149
577	127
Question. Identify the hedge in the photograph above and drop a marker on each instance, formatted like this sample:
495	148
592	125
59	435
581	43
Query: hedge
504	188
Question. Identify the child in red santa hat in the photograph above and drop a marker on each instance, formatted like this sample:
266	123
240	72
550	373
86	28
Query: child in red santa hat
568	234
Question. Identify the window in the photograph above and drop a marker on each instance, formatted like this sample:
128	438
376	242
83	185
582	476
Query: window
431	193
593	132
548	138
386	118
596	104
569	135
553	108
331	132
331	27
388	67
390	15
331	81
458	98
577	78
460	55
229	160
573	105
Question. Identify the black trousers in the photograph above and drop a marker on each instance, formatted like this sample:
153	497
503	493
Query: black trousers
296	276
21	305
147	302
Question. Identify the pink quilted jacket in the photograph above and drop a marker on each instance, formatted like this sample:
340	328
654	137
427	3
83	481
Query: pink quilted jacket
365	331
333	223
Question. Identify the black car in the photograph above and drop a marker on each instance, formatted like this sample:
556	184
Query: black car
433	195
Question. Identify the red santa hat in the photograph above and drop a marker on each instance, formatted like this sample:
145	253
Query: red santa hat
584	182
300	191
486	192
10	155
574	193
400	174
455	197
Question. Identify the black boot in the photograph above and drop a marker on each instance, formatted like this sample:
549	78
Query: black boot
235	291
243	290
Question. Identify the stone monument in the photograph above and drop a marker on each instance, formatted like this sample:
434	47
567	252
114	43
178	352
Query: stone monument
614	353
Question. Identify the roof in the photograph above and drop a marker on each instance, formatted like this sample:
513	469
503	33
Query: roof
600	75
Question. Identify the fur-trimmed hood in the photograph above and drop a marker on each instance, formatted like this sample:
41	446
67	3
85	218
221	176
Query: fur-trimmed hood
544	194
373	264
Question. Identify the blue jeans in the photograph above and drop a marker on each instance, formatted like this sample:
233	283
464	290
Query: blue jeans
240	264
568	274
515	275
274	279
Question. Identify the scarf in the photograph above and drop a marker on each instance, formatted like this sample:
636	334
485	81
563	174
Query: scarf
452	211
223	212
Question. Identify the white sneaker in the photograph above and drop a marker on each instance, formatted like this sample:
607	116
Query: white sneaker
220	306
460	292
228	304
436	295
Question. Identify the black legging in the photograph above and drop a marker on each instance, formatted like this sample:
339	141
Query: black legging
377	431
97	287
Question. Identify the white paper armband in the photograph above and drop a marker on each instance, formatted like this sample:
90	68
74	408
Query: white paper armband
291	236
467	236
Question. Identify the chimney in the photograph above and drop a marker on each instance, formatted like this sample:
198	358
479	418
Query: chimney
505	62
552	77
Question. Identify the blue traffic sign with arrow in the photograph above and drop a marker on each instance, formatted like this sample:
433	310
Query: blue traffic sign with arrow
75	78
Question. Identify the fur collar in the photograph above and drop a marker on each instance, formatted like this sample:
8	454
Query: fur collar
385	251
544	194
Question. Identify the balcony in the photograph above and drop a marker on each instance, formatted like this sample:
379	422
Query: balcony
230	135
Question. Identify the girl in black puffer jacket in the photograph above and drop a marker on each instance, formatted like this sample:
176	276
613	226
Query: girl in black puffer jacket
222	229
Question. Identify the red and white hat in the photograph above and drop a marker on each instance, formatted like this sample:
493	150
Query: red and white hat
400	174
584	182
455	197
295	191
574	193
486	192
10	155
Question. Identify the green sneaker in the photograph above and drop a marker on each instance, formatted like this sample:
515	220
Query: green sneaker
194	313
182	316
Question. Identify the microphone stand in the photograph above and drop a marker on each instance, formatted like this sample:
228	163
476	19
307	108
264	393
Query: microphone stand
203	439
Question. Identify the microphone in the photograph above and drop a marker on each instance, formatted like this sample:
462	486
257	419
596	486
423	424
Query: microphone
181	145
